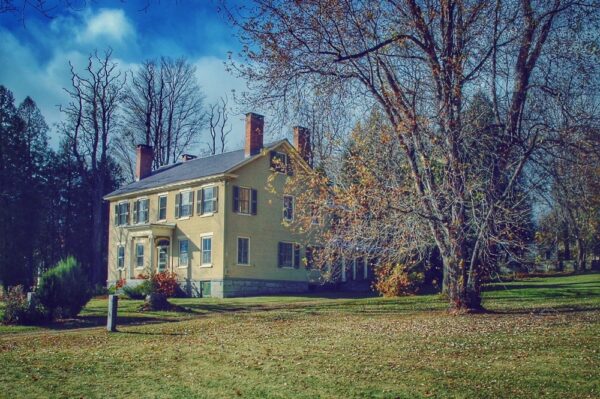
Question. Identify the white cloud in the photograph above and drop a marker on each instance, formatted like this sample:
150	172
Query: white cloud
110	24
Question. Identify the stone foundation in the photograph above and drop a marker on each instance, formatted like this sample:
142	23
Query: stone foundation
229	288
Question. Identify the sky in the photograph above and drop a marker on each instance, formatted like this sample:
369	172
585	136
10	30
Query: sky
35	50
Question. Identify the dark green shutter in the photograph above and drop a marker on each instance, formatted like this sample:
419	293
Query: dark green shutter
136	209
216	199
199	199
296	256
236	198
309	257
280	254
116	214
191	202
177	204
254	201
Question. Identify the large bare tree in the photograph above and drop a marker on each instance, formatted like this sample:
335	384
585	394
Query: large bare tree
164	108
422	62
96	95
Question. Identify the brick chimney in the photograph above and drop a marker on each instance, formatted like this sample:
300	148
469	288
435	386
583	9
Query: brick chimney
254	133
302	143
143	161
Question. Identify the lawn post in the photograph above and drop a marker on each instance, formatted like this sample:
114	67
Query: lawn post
111	320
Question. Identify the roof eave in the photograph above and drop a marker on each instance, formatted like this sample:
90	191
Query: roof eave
175	185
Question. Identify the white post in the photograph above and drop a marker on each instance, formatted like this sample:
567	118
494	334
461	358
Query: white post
111	320
343	269
151	248
366	268
353	268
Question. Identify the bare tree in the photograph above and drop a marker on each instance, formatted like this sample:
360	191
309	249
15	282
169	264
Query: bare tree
164	109
218	125
421	63
92	115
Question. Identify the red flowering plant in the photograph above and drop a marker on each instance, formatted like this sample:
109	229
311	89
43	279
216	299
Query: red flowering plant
120	283
165	283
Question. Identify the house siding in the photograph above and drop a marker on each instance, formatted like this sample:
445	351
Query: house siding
225	278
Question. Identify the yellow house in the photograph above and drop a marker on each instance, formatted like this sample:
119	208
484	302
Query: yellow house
214	221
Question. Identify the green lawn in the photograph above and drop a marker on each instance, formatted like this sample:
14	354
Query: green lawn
541	339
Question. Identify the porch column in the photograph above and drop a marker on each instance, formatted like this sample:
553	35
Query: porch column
129	257
353	268
152	250
366	268
343	269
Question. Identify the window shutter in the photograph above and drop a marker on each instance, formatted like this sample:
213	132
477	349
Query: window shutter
177	204
216	198
236	198
147	212
271	156
280	254
136	209
116	214
296	256
199	206
254	201
191	202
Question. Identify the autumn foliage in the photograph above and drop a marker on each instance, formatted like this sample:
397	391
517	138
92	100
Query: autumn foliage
394	279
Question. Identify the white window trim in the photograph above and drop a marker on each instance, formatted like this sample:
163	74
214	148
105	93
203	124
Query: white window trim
128	212
148	210
120	245
158	197
202	237
136	256
237	245
179	239
293	245
185	190
208	186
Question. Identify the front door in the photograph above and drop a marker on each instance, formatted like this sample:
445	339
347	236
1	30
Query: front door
163	256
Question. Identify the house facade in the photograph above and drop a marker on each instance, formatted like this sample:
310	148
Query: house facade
220	222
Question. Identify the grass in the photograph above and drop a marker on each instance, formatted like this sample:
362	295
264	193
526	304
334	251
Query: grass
540	339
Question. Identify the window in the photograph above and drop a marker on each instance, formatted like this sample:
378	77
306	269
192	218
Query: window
243	251
120	256
288	207
207	200
183	204
162	207
140	211
206	250
184	259
244	200
279	162
139	255
122	214
288	255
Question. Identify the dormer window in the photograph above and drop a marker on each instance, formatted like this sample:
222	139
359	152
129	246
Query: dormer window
280	162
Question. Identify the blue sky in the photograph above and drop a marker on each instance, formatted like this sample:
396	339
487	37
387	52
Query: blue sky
34	54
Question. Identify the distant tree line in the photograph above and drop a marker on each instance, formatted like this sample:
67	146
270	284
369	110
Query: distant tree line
52	199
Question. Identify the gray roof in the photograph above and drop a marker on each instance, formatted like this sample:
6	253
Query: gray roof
189	170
